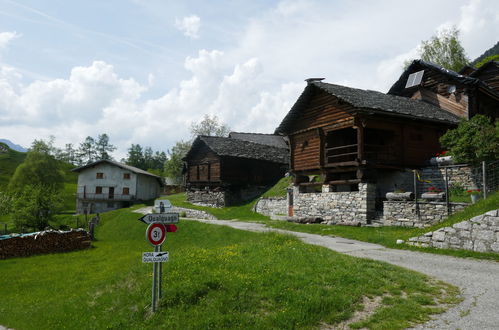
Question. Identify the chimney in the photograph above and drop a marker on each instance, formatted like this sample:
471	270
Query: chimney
311	80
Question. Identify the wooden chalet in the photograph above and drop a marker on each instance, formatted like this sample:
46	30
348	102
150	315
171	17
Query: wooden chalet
345	136
465	94
221	171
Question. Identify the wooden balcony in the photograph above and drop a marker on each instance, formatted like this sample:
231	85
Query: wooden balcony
349	155
105	197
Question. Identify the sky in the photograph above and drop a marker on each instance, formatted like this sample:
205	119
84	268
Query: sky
142	71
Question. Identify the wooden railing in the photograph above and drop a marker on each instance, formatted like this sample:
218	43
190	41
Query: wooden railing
106	197
349	153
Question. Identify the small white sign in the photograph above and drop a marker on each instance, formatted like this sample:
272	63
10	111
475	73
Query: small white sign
154	257
162	205
164	218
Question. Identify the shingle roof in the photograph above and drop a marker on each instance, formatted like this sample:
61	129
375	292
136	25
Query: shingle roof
417	65
370	102
123	166
228	147
267	139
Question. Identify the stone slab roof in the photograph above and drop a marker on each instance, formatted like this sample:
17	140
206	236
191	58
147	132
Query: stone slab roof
370	102
267	139
230	147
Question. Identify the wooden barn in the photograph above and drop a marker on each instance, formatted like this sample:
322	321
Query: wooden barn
222	171
345	134
355	142
465	94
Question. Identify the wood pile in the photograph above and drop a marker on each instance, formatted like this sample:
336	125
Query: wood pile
50	241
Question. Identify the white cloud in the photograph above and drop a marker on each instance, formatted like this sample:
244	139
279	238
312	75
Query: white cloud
6	37
189	25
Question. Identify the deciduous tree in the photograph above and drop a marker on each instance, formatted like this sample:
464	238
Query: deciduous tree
445	50
209	126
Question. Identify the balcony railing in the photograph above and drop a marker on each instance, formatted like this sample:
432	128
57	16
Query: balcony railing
384	154
105	197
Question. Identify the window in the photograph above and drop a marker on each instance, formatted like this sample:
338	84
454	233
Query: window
98	190
126	190
99	176
126	176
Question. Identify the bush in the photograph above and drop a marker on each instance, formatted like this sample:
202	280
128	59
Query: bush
473	141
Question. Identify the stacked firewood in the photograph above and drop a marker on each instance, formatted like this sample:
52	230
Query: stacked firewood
49	241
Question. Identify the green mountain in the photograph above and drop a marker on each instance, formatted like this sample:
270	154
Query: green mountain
9	160
494	50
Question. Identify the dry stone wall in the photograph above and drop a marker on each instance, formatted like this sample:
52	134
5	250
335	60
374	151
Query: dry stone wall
403	213
272	206
337	207
208	198
194	214
50	241
480	234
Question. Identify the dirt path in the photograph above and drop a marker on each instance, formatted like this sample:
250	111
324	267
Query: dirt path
477	279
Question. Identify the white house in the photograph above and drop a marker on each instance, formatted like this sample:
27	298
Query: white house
106	185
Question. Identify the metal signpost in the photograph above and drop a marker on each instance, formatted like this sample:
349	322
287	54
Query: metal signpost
159	225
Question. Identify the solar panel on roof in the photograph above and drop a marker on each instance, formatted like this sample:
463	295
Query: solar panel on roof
414	79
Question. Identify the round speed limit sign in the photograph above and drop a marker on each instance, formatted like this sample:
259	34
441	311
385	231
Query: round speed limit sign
156	233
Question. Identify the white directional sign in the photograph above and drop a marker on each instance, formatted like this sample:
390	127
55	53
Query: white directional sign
164	218
154	257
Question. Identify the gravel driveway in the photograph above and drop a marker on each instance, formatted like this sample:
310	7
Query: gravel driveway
477	279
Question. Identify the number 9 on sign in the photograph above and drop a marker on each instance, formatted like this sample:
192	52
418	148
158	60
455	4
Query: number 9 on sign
156	233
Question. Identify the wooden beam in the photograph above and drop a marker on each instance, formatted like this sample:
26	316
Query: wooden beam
322	143
360	139
337	182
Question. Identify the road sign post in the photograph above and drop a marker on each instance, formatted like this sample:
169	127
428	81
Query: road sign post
159	225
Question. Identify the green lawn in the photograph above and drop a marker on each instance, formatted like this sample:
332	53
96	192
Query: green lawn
217	277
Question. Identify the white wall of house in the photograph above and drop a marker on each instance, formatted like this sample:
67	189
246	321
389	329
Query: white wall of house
113	177
121	184
147	187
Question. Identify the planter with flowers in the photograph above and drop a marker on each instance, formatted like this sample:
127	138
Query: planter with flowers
442	158
433	194
475	194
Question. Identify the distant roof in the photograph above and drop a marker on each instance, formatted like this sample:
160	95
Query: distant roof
123	166
267	139
372	102
230	147
399	86
483	67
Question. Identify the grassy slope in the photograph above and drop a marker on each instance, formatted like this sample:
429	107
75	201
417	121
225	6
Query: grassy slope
8	164
217	277
386	236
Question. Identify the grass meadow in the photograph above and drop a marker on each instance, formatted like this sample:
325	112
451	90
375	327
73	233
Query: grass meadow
217	277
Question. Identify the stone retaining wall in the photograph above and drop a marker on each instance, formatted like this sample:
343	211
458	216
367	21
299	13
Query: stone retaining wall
271	206
208	198
465	176
403	213
50	241
337	207
195	214
479	234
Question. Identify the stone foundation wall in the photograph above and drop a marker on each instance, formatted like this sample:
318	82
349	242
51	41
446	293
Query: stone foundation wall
208	198
337	207
194	214
464	176
272	206
50	241
403	213
479	234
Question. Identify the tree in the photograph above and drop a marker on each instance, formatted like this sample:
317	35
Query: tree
473	141
135	156
103	147
39	168
33	206
174	165
445	50
87	151
209	126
